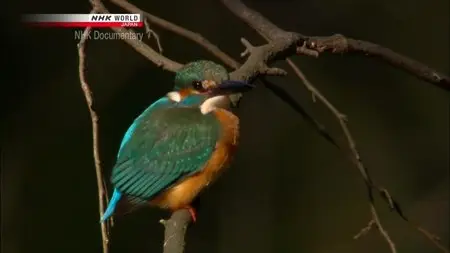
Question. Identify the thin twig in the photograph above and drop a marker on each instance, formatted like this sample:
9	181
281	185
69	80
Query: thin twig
102	197
339	44
276	36
282	44
355	157
151	33
148	52
365	229
195	37
264	69
433	238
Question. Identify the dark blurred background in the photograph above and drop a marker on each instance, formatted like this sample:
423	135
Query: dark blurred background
288	190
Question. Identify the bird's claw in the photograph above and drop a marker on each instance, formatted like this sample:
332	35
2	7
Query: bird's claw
193	214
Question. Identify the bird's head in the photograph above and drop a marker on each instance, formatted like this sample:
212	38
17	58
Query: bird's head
207	95
197	71
206	85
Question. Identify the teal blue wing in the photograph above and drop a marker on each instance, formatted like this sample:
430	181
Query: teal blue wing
164	147
161	103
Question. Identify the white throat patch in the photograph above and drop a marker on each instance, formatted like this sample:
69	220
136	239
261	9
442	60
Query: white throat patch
214	103
174	96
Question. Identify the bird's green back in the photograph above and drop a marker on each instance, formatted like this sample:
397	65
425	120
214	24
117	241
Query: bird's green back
167	145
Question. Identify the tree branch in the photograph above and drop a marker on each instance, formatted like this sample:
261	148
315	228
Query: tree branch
158	59
340	44
354	155
281	44
102	192
276	36
175	231
195	37
336	44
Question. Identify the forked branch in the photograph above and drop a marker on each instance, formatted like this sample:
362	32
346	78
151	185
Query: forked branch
340	44
314	45
280	45
274	35
195	37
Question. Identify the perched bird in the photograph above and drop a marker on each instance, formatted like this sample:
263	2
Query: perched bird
180	143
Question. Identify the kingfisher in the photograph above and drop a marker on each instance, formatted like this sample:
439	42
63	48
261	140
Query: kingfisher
180	144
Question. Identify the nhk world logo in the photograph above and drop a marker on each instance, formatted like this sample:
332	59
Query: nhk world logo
85	20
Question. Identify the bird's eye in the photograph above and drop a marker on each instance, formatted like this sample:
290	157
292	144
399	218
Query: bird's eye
197	85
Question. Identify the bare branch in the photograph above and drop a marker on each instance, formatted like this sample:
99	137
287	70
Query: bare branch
158	59
303	50
382	231
175	231
102	194
257	62
281	44
354	156
365	229
264	69
336	44
255	20
433	238
151	33
288	99
340	44
195	37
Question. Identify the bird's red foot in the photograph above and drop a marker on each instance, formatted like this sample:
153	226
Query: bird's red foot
192	212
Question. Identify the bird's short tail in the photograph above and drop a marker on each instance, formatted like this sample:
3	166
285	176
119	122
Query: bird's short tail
112	205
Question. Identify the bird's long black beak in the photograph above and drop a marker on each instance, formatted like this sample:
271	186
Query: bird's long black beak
232	86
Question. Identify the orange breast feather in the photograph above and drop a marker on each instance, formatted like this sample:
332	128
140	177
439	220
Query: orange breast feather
181	195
